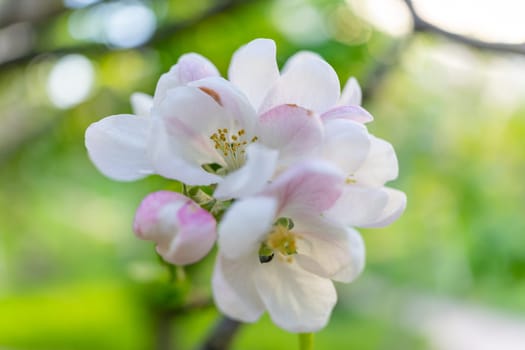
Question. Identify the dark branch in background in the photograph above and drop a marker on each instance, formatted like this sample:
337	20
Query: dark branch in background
421	25
160	35
221	336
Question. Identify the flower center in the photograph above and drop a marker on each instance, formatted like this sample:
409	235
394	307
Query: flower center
231	146
281	240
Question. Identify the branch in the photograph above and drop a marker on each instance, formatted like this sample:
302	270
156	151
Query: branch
161	34
221	335
421	25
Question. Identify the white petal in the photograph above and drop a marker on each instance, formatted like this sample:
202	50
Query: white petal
252	176
254	70
347	144
296	132
357	250
323	247
117	145
192	66
234	290
307	81
355	113
244	224
141	104
351	93
239	110
170	159
380	165
307	188
189	67
191	116
297	300
395	206
359	205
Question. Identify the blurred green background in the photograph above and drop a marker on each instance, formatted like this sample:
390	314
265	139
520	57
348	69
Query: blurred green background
72	274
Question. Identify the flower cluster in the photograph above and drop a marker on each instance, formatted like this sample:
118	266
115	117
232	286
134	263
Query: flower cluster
292	168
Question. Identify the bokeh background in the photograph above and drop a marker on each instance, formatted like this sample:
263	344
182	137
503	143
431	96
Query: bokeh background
445	82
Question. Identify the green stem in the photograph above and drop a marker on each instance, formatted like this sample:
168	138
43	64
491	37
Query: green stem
306	341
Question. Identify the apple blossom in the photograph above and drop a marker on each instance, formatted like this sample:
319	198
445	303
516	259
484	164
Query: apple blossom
120	145
183	231
278	253
306	80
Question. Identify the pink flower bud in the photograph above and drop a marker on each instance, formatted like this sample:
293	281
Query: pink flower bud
183	231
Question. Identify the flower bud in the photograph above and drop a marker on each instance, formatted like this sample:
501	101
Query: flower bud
183	231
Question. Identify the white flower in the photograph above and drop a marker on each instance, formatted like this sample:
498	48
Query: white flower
278	253
183	231
306	80
120	145
209	124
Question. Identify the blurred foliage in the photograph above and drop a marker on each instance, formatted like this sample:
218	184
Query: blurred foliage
72	275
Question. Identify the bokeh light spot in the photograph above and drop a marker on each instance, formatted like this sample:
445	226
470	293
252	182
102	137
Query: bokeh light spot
70	81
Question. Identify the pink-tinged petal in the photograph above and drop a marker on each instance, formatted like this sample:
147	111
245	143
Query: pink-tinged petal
234	289
307	81
241	114
357	251
294	131
151	221
297	300
252	176
254	70
359	206
191	116
244	224
171	160
197	235
307	188
141	104
323	247
184	232
395	206
351	94
346	144
354	113
192	67
117	145
380	165
189	67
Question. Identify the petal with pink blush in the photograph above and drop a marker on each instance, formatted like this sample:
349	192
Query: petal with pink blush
254	70
307	188
296	132
183	231
241	114
307	81
354	113
189	67
351	94
173	161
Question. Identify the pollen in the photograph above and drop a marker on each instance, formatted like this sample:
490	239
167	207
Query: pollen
231	146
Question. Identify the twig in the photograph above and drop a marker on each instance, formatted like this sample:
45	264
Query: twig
221	335
161	34
421	25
